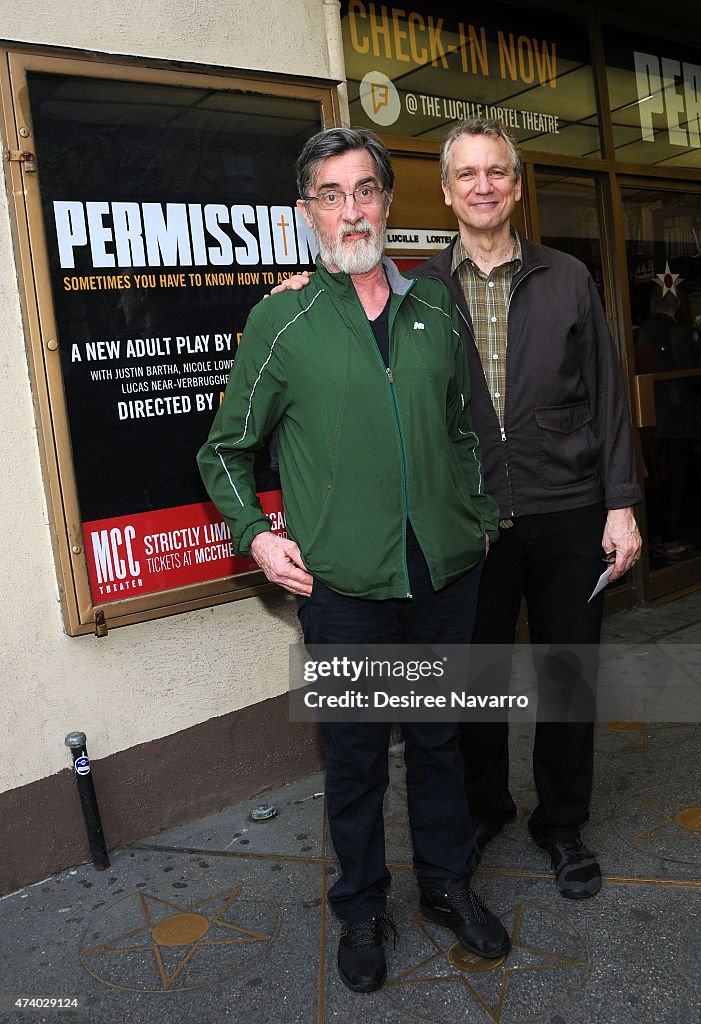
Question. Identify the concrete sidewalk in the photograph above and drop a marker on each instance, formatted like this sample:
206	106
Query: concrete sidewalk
225	919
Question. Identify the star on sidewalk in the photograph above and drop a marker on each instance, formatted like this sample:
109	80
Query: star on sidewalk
488	985
185	929
682	821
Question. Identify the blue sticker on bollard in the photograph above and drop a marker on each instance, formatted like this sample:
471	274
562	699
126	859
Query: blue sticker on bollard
82	765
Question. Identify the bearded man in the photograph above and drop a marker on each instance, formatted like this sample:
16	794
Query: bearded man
363	379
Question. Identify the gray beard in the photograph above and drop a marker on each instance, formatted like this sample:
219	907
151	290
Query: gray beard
359	258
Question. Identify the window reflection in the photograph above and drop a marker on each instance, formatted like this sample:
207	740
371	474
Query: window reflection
663	236
569	220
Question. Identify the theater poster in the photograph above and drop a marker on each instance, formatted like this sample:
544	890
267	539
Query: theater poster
168	211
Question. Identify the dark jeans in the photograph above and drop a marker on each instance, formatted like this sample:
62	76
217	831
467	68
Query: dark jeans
553	560
356	753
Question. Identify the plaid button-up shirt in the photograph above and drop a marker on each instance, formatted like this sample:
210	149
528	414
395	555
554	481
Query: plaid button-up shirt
487	298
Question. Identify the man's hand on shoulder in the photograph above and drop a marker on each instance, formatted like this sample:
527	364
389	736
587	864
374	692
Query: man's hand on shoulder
621	535
281	561
294	283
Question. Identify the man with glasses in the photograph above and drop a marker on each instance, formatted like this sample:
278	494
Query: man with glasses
363	378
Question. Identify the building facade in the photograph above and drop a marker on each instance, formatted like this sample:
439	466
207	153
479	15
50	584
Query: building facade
147	203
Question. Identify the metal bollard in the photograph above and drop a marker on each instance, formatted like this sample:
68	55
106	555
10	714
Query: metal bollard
88	801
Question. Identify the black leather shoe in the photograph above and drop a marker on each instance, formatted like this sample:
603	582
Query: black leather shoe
457	906
577	872
361	955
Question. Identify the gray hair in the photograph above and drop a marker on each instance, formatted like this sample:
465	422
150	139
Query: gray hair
481	126
336	141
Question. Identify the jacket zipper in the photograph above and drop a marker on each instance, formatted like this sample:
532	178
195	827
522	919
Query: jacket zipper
503	429
472	334
402	451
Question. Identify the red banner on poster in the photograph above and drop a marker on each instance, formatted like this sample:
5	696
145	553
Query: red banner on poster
173	547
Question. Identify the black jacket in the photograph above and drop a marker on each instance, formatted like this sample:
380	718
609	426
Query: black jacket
567	439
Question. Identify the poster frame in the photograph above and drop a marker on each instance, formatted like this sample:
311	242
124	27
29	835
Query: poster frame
81	613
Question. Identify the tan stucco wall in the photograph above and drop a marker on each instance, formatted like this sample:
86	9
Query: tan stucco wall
287	36
156	678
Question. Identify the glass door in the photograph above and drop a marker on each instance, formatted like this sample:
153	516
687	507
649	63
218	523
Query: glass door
663	256
568	217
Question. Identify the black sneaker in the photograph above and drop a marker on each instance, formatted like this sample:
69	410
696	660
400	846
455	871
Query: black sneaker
457	906
361	955
485	829
577	872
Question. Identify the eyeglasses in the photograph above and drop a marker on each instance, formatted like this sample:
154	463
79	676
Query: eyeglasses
366	195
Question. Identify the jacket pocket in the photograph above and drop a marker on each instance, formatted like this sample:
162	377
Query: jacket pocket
567	446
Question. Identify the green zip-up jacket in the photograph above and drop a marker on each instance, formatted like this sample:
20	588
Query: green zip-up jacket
360	447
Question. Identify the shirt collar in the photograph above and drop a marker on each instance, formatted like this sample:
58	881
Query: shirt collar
460	253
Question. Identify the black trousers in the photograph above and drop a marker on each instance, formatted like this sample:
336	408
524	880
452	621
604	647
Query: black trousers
553	560
357	753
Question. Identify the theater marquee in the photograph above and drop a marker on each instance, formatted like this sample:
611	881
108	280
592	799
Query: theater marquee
415	71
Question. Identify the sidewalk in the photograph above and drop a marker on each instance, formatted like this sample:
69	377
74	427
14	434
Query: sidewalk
225	919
